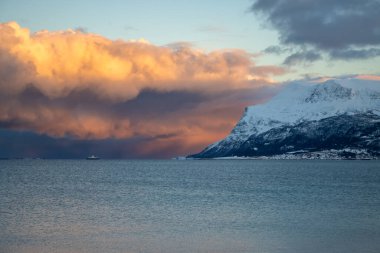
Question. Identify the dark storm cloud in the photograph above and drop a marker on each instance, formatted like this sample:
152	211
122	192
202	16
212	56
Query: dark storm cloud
26	144
302	57
325	24
164	124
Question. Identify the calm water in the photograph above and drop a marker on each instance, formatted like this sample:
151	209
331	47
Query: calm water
189	206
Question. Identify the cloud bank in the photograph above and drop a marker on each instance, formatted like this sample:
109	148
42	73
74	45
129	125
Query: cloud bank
72	84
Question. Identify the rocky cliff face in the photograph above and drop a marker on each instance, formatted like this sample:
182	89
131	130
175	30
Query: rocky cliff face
335	119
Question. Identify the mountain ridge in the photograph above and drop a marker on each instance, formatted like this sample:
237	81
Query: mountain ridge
303	108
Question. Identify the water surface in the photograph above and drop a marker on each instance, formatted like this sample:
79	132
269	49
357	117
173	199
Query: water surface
189	206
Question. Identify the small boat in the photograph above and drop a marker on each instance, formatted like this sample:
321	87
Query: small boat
92	157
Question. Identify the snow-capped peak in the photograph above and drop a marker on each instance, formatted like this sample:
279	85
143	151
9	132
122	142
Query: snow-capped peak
305	101
329	91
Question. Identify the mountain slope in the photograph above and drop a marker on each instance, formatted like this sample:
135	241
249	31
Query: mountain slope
340	116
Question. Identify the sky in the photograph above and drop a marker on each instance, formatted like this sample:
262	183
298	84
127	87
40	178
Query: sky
158	79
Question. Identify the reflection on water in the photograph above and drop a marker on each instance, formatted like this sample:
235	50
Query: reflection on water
189	206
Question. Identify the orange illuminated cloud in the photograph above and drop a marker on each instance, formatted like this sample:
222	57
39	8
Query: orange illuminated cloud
58	63
368	77
85	86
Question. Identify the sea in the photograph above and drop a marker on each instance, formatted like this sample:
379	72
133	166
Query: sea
190	206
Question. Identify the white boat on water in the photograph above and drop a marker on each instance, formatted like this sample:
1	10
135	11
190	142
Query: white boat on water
92	157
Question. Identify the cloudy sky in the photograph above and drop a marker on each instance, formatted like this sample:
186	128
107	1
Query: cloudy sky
157	79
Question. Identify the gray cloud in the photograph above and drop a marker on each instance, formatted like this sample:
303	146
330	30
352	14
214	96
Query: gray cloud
81	29
325	24
302	57
276	50
351	54
180	45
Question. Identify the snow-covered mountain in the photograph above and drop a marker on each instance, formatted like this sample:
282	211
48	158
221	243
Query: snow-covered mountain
338	118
